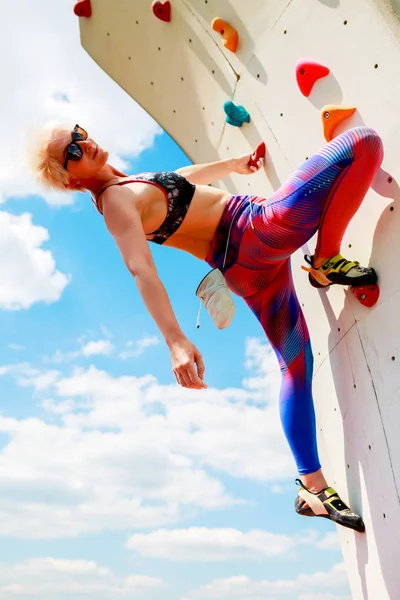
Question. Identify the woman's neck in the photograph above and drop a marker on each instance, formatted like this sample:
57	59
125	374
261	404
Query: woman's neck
107	175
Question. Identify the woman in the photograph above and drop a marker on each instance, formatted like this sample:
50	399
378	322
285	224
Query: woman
250	239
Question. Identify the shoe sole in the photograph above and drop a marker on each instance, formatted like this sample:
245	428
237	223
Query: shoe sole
308	512
370	279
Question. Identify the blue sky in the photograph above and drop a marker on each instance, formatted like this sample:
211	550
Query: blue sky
114	481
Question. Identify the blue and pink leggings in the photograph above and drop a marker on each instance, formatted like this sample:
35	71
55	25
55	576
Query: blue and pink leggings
322	195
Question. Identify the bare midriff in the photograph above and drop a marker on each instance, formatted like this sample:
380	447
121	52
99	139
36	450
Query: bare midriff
199	225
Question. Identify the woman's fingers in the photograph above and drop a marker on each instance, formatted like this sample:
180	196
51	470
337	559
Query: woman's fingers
194	377
254	167
198	359
187	365
188	377
182	378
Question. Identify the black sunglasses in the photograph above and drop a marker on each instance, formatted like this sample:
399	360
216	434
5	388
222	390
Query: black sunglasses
73	151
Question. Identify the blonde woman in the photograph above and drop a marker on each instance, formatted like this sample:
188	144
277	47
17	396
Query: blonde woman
248	241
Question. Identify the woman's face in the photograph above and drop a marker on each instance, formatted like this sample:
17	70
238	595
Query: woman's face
88	165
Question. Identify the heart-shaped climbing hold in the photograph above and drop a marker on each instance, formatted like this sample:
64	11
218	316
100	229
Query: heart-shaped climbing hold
162	10
83	8
332	115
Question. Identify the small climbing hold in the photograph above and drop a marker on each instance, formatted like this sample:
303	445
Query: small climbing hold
307	73
229	35
258	153
236	115
332	115
162	10
367	295
83	8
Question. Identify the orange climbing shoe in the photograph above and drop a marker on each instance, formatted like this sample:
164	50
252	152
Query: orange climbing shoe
327	504
339	270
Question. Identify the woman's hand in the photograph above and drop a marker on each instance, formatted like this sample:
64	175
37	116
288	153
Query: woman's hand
242	165
187	364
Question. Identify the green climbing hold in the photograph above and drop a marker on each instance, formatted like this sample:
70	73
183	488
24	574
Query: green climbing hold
236	115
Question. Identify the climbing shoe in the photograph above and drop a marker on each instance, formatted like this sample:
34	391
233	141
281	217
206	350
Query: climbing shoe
327	504
339	270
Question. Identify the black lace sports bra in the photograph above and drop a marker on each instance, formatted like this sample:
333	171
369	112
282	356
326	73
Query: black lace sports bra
178	193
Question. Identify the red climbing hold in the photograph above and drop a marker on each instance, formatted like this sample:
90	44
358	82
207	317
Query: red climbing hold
83	8
366	294
307	73
162	10
258	153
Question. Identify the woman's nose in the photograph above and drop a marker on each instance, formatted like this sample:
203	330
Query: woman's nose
87	145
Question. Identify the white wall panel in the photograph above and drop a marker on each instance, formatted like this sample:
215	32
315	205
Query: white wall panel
181	74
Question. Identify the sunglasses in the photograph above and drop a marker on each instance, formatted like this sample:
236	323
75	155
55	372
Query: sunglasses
73	151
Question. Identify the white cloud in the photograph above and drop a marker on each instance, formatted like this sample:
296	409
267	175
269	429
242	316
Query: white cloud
329	542
61	579
135	453
28	273
61	482
262	362
300	588
39	380
206	544
58	408
142	582
323	597
99	347
45	566
137	348
64	85
203	544
222	429
103	347
87	349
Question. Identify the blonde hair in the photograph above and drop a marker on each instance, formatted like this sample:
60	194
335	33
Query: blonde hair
47	170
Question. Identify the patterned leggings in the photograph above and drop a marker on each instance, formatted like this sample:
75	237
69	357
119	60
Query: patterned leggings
322	195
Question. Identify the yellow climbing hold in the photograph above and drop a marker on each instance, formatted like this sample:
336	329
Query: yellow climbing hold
332	115
229	35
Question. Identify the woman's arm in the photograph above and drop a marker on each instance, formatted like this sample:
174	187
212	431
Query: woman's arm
124	223
207	173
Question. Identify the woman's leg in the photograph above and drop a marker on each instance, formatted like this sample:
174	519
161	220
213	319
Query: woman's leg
362	148
277	308
255	272
323	194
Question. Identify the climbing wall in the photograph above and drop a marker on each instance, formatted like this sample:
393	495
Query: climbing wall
178	66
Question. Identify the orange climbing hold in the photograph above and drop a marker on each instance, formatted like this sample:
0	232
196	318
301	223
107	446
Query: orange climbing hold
307	73
83	8
162	10
332	115
230	36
